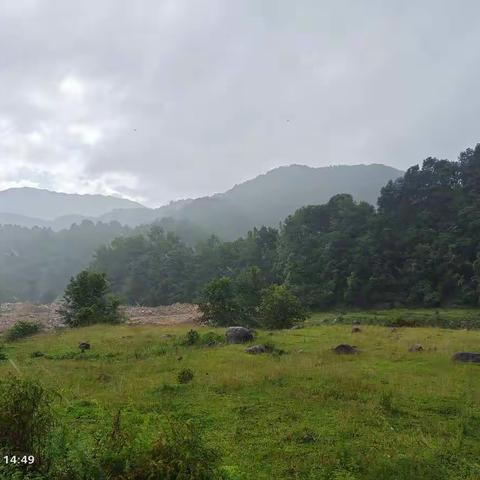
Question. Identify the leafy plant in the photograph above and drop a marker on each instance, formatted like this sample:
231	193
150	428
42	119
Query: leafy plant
280	308
185	376
192	337
26	416
210	339
218	304
87	301
22	329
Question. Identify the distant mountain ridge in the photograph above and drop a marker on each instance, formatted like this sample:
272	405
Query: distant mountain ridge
48	205
264	200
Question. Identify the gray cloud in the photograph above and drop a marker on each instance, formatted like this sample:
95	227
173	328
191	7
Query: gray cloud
159	100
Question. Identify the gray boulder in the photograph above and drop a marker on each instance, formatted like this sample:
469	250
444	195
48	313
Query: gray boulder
345	349
466	357
256	349
84	346
238	335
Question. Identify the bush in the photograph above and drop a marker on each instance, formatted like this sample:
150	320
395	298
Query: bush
218	303
280	308
185	376
179	453
87	301
22	329
3	355
26	417
210	339
191	338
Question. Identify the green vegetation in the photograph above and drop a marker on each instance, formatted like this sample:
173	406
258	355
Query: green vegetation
26	417
37	263
279	308
402	317
419	249
114	451
21	329
87	301
308	414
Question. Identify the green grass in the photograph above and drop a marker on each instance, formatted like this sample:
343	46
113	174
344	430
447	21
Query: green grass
308	414
403	317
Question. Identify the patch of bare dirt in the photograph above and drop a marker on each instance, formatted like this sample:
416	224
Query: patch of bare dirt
47	315
175	314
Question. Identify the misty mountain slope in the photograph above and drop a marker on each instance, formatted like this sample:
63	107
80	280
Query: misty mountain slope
47	205
264	200
269	198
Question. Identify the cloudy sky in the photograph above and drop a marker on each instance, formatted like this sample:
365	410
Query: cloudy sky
164	99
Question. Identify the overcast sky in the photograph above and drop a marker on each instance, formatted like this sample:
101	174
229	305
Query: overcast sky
165	99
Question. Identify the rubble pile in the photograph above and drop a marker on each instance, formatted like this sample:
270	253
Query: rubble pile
48	316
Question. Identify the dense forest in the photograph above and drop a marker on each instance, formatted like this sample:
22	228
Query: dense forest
36	263
420	247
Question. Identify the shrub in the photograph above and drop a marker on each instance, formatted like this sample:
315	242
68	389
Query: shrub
280	308
3	355
22	329
249	284
125	450
191	338
218	303
87	301
185	376
181	454
26	417
210	339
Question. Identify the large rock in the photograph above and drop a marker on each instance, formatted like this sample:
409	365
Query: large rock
466	357
345	349
238	335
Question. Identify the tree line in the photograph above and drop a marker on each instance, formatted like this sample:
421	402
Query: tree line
420	247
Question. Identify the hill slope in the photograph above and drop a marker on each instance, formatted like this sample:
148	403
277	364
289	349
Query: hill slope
47	205
264	200
269	198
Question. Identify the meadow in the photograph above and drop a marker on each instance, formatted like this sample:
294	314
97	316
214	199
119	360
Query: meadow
301	412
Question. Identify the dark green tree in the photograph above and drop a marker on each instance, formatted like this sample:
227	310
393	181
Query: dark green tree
218	304
280	308
87	301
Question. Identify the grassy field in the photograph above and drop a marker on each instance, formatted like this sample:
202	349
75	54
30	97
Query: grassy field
385	413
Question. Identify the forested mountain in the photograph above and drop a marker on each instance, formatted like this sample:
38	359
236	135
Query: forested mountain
264	200
421	248
45	205
269	198
36	263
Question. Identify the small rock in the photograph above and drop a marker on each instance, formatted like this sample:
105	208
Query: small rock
345	349
466	357
296	327
238	335
37	354
356	329
256	349
84	346
416	348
